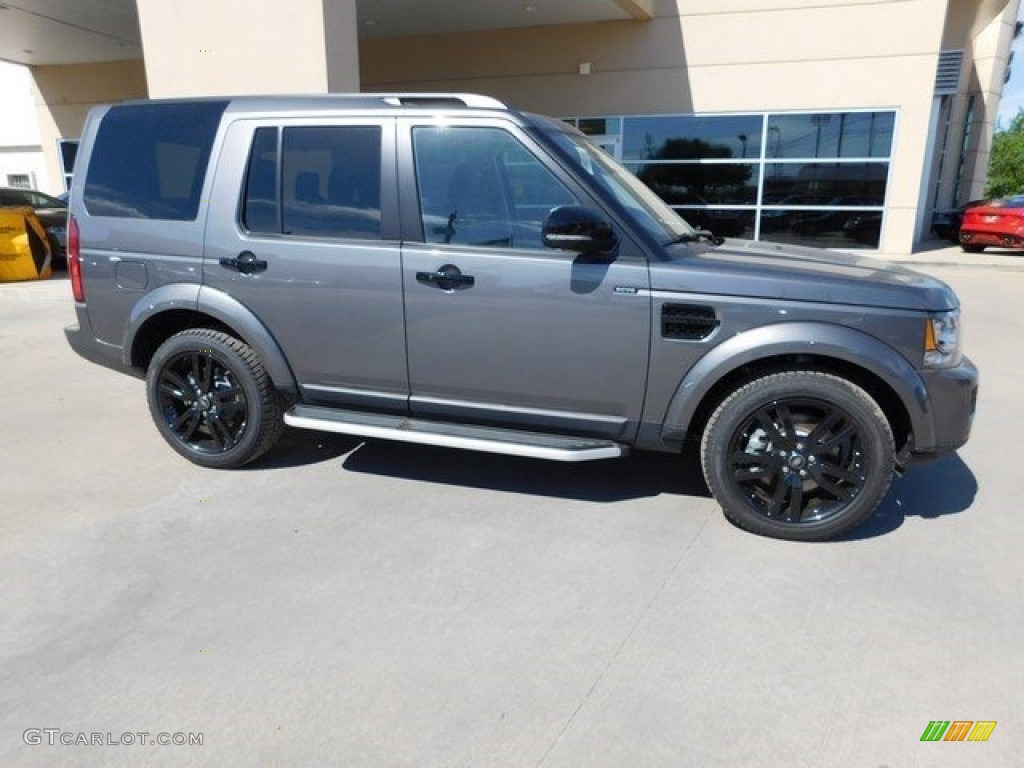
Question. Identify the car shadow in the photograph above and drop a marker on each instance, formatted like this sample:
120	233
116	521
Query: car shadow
636	476
944	487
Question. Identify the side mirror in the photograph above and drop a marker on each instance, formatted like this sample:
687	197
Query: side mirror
570	228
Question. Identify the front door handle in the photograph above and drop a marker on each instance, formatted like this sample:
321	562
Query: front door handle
448	278
246	263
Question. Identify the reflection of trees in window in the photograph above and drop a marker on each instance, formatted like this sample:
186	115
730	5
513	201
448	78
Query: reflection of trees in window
696	183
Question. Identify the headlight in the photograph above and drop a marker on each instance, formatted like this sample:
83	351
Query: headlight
942	339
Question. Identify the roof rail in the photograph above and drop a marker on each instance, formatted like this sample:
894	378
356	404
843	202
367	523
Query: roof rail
472	100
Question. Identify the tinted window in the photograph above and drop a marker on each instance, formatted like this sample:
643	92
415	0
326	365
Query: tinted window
689	137
480	186
149	160
330	181
835	184
700	183
844	134
261	211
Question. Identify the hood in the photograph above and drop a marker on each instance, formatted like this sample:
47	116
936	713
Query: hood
796	273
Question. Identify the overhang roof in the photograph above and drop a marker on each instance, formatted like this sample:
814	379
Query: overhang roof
39	32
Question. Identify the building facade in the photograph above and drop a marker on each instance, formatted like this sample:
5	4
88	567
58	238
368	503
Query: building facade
841	123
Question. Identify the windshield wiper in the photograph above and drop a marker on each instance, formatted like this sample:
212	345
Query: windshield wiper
698	235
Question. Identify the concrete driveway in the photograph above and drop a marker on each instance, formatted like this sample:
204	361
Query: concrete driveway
349	604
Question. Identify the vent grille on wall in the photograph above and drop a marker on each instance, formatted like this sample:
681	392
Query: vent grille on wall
947	76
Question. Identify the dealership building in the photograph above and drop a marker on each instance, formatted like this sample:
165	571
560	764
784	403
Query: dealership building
842	123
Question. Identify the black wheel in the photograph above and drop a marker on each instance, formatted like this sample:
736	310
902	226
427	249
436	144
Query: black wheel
211	399
973	248
799	455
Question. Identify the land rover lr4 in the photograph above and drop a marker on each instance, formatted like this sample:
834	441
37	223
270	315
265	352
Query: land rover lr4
440	269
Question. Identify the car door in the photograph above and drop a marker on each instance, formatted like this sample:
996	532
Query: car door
304	235
500	329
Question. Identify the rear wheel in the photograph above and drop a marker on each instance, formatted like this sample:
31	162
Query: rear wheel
972	248
800	455
212	400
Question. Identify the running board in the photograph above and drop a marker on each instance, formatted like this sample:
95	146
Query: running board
509	442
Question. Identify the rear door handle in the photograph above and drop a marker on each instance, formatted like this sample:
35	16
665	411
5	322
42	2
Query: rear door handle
448	278
246	263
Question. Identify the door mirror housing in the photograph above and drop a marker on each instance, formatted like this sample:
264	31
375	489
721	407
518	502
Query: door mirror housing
571	228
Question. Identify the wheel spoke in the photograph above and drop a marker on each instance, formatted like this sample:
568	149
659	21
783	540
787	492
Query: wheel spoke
191	425
823	428
796	501
174	385
219	431
182	418
786	421
765	422
752	466
848	432
775	505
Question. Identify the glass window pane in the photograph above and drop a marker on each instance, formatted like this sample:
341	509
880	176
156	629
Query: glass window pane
260	210
835	228
598	126
689	137
846	134
149	160
480	186
722	222
331	181
700	183
833	184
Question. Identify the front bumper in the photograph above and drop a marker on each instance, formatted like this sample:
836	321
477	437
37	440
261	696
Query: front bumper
953	396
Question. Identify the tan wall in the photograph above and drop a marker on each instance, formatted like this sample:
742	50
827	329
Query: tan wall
705	56
201	48
65	93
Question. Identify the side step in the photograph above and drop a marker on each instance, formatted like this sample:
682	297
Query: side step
510	442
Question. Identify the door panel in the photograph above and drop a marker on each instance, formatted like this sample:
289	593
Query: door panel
527	335
330	290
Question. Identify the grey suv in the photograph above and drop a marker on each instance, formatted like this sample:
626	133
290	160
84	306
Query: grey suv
440	269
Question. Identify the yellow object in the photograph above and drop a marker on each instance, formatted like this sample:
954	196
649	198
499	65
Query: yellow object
24	249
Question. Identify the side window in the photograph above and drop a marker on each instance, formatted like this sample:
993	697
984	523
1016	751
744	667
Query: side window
149	160
481	186
260	211
330	181
328	184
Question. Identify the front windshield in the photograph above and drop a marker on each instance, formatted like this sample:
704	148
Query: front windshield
647	208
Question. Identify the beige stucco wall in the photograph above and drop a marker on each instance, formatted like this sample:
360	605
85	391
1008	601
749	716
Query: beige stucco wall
198	47
716	56
65	93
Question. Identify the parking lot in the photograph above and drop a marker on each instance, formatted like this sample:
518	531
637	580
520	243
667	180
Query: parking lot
376	604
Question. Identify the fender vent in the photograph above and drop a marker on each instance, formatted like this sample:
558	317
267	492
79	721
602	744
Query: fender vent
687	321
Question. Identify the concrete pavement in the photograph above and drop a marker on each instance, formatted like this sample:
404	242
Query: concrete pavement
375	604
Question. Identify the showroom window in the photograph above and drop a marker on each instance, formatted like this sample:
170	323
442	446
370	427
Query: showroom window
806	178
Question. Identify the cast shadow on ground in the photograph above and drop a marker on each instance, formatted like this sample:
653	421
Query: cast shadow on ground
637	476
944	487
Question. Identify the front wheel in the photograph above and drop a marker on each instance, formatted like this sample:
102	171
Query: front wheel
800	455
972	248
212	400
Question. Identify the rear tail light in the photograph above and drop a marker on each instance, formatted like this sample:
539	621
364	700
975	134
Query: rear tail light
75	261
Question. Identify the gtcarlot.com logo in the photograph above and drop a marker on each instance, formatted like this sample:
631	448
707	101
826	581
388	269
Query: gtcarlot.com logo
56	736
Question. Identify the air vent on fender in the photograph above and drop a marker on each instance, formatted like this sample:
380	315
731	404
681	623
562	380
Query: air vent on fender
687	321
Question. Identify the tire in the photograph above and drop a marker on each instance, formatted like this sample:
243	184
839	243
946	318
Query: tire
801	455
211	399
973	248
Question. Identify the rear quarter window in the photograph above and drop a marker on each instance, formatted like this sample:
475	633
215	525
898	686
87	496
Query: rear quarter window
149	161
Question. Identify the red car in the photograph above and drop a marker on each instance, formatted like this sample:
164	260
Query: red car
999	223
